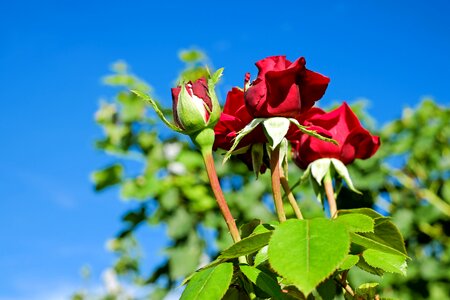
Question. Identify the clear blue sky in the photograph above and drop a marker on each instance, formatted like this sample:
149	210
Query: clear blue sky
53	53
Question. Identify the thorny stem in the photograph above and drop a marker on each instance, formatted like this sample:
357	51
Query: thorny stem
276	187
290	195
217	190
329	191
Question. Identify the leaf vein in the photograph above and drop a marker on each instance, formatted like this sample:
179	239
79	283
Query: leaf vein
307	247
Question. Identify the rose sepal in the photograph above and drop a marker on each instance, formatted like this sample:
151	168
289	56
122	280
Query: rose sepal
312	133
157	109
216	109
275	130
257	152
204	140
318	169
241	134
189	115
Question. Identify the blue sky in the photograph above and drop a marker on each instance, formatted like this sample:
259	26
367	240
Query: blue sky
53	54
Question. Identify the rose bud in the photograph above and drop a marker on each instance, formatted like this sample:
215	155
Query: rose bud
195	107
344	127
283	88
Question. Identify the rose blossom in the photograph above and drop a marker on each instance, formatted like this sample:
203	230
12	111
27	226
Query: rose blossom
343	126
234	118
283	89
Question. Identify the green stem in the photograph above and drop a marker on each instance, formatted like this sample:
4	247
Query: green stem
276	186
217	190
329	191
290	195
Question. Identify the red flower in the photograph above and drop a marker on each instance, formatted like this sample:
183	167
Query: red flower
283	89
233	119
343	126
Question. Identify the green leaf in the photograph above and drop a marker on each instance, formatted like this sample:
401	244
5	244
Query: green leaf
132	108
264	281
363	265
184	259
388	262
236	293
246	246
170	199
214	263
349	262
191	55
275	130
262	228
107	177
364	211
306	252
179	224
327	289
387	234
249	227
356	222
140	188
209	284
367	290
261	256
373	244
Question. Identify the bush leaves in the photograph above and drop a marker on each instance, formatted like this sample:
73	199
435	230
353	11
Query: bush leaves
306	252
211	283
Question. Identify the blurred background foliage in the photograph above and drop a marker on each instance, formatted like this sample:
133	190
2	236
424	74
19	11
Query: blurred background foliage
408	179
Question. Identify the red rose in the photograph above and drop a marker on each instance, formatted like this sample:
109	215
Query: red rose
343	126
197	105
233	119
283	89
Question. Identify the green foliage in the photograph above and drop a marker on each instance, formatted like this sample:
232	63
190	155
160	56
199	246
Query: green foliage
107	177
408	177
414	159
357	222
195	65
264	281
306	252
209	284
171	188
349	262
385	261
246	246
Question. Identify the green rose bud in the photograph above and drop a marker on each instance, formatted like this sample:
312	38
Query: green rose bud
195	106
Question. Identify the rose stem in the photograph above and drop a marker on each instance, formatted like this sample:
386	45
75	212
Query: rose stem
345	285
328	185
217	190
276	187
290	195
